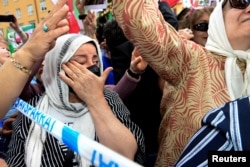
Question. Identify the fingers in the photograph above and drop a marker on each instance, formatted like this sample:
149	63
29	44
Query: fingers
56	26
14	115
75	71
55	17
138	65
188	30
66	77
92	14
7	123
63	23
60	18
186	33
136	61
7	126
7	132
105	73
135	53
58	5
79	70
90	19
11	24
82	81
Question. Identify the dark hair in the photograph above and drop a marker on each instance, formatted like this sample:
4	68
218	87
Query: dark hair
168	14
113	34
224	3
101	20
183	13
197	14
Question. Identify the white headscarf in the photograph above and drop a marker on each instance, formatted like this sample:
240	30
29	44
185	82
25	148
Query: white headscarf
56	98
217	42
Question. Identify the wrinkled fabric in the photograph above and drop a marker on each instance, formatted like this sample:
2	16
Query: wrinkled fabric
195	77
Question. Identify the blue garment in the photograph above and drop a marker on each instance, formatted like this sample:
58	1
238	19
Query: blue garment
107	63
4	140
223	129
9	113
34	80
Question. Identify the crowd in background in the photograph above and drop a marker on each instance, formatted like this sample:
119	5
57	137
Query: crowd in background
159	88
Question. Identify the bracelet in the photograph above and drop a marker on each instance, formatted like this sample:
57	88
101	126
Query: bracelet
19	66
82	16
133	75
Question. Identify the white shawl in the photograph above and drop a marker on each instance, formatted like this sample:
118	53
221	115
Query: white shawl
56	98
217	42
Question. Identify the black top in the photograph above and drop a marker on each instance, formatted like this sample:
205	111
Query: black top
54	152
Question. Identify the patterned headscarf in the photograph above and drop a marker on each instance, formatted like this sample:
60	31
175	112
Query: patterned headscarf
56	98
56	89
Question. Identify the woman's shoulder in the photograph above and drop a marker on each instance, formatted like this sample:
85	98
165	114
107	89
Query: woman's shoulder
109	93
229	114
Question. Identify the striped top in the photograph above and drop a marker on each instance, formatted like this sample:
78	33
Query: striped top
55	154
223	129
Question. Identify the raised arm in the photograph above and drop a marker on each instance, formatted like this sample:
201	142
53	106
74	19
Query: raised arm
158	42
109	129
89	24
131	77
88	20
15	26
30	53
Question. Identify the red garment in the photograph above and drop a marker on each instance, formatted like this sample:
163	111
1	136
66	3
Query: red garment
171	3
73	24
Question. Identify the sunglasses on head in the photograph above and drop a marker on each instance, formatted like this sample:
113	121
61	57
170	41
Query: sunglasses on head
201	27
237	4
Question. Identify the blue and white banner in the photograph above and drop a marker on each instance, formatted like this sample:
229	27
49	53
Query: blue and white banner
93	151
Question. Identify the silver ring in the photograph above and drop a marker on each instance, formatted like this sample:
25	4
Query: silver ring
45	28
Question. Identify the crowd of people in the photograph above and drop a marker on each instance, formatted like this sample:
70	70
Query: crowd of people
158	88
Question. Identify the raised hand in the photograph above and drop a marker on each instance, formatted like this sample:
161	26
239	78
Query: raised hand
54	25
186	33
137	64
86	84
7	125
80	6
15	26
89	24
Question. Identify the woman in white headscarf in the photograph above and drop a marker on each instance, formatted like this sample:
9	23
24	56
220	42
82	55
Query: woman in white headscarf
197	78
88	108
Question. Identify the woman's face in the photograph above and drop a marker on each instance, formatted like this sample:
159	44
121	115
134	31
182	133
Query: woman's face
4	52
86	55
200	37
237	25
